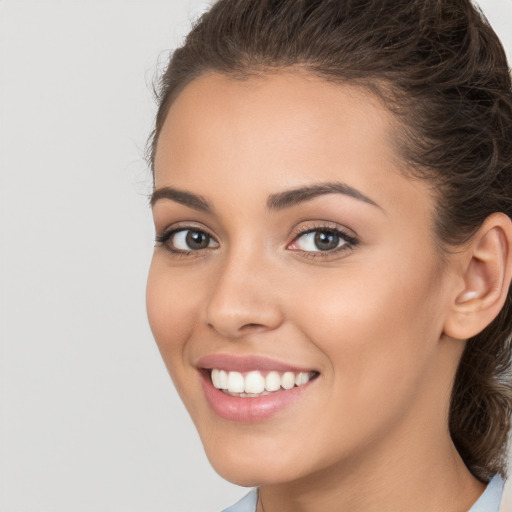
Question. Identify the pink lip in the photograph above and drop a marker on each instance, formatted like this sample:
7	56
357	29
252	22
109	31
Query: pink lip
246	364
246	410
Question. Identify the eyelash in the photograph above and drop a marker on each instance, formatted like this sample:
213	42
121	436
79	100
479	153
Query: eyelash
164	238
351	241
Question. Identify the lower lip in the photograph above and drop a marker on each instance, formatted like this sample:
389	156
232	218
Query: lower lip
249	409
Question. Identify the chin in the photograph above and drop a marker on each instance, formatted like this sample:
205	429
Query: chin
253	460
250	473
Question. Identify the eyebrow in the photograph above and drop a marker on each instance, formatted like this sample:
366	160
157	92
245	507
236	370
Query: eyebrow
299	195
278	201
194	201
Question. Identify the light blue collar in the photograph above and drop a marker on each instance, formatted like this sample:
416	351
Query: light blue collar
246	504
491	497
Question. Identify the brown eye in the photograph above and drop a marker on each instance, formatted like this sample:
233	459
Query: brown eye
187	240
326	241
321	241
196	240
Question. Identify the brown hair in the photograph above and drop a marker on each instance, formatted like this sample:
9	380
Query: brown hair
440	68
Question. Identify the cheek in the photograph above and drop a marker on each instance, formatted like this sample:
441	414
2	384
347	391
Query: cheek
171	311
376	328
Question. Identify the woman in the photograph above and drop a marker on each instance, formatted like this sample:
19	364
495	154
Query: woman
330	283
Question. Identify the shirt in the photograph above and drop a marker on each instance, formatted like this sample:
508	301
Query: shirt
489	501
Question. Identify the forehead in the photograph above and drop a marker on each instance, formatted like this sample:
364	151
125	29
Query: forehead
278	131
293	113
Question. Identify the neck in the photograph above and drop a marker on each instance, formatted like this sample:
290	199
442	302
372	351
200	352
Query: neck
427	480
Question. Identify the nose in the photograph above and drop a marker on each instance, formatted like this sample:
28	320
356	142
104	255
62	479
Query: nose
244	298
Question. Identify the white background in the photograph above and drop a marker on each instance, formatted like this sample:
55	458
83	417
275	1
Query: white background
89	420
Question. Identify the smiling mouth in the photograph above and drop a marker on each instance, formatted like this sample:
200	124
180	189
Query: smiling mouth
254	384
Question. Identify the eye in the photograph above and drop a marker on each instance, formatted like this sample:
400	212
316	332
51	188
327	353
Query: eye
186	240
322	240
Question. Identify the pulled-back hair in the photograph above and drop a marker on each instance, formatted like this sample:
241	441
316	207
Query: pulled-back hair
441	70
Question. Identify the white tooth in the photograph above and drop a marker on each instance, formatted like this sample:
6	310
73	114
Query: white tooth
288	380
223	379
235	382
254	383
215	379
272	381
302	378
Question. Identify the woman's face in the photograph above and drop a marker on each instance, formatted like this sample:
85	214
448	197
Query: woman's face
290	243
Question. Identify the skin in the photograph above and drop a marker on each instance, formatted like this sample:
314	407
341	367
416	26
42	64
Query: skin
370	433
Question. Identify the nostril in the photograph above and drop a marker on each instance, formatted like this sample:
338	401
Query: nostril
233	318
252	327
243	329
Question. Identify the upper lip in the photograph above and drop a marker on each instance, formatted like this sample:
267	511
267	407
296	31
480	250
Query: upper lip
246	364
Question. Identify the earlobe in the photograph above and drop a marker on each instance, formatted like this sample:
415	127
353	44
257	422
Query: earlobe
486	273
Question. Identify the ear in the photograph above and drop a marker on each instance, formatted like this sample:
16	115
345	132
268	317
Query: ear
485	271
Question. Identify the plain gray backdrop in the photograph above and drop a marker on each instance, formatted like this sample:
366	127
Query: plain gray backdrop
89	420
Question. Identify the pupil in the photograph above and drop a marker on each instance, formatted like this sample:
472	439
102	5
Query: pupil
197	240
325	241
